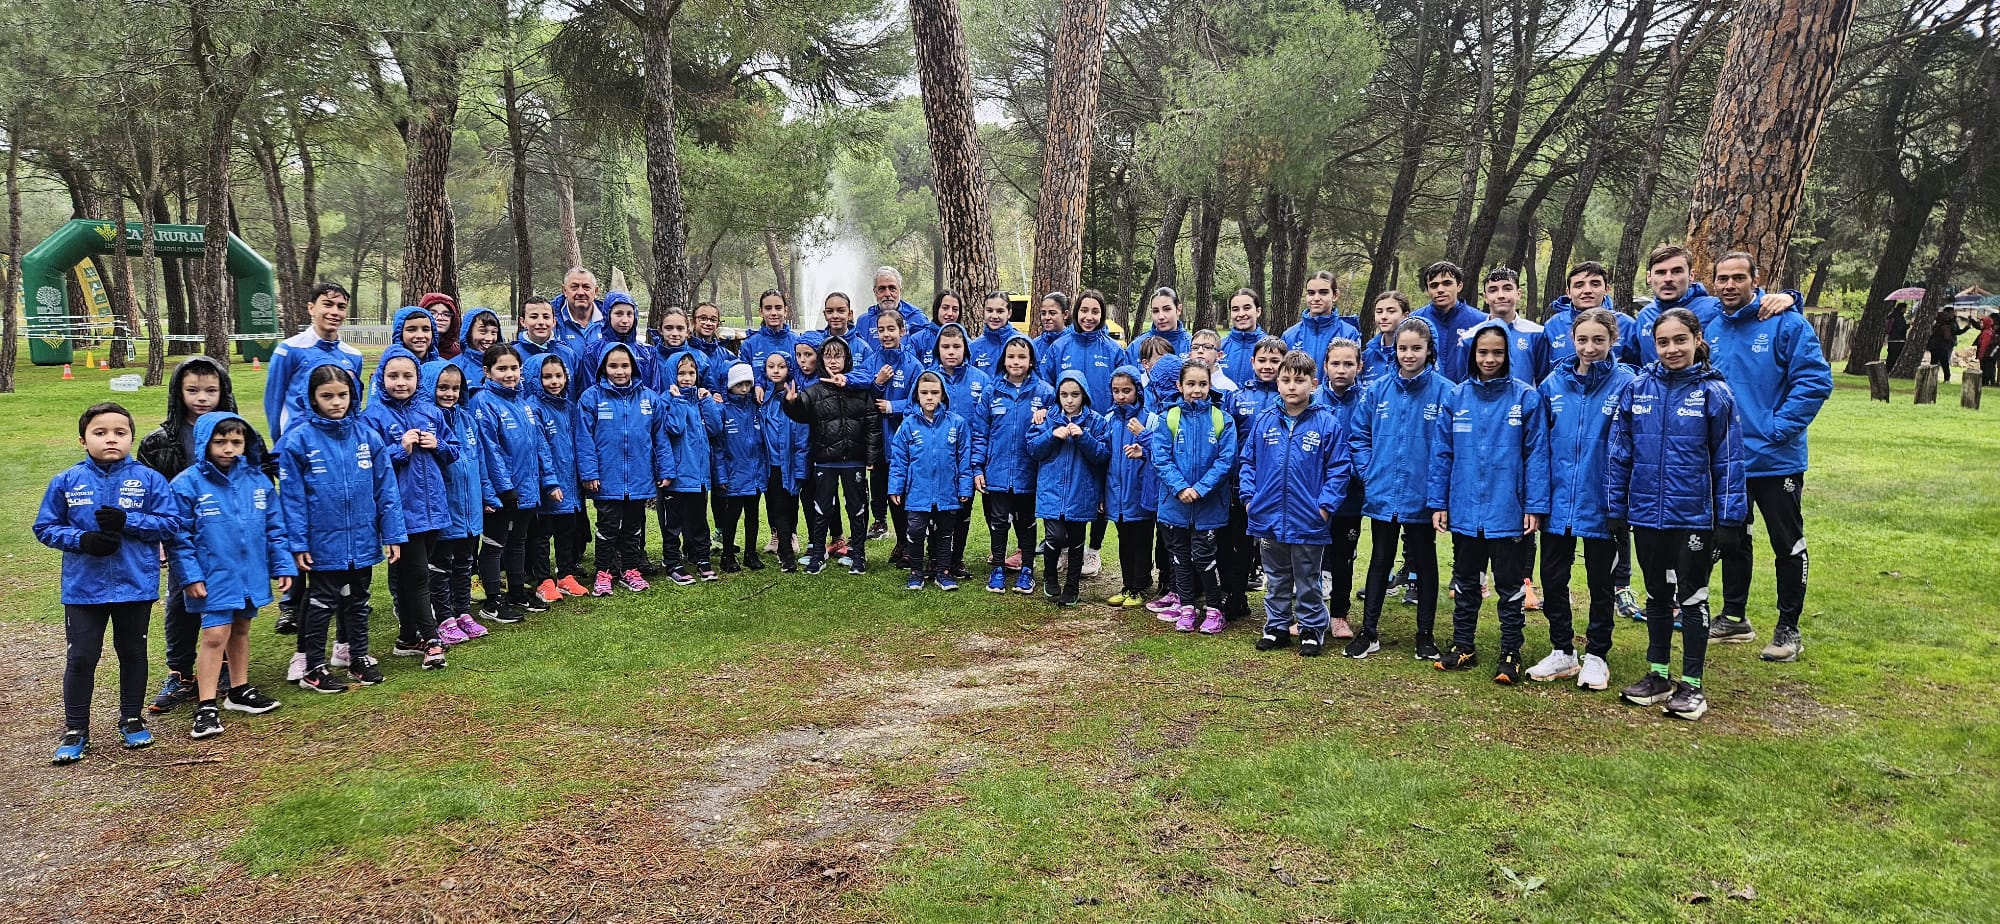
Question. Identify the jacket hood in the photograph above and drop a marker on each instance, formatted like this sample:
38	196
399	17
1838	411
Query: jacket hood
1138	378
1248	337
1076	376
1588	381
672	371
1164	379
845	345
1320	323
447	335
392	353
962	333
204	430
1695	290
1506	359
1562	304
531	377
1000	363
630	356
944	404
465	327
177	408
427	382
604	328
405	313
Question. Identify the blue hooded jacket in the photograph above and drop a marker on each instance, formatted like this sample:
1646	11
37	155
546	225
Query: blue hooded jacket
913	321
520	446
1392	439
1580	410
1294	474
469	481
900	390
292	365
1004	419
621	445
420	477
589	356
736	429
1249	399
785	442
764	341
1562	319
1676	459
232	535
69	509
1378	358
340	497
965	386
1179	337
1344	405
1527	352
1637	348
1780	378
469	360
396	343
568	332
1453	328
1092	353
1069	472
1312	334
1491	466
985	350
930	457
569	350
563	429
685	424
1201	456
1131	486
1239	350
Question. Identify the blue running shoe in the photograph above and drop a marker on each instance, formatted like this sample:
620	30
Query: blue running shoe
133	730
916	582
71	749
997	584
946	582
1025	583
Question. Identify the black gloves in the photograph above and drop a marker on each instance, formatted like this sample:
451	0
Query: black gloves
1729	540
111	520
510	499
1617	529
100	543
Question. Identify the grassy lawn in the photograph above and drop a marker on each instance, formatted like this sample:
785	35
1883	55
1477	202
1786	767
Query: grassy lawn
776	747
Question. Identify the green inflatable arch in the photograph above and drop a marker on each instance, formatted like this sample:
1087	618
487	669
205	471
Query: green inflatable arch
46	291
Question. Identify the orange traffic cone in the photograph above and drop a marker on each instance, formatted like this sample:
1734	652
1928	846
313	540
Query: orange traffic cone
104	365
67	375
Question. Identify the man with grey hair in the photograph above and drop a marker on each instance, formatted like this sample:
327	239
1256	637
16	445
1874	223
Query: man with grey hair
889	297
576	307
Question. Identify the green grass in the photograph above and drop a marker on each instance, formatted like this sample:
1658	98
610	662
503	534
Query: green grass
1169	777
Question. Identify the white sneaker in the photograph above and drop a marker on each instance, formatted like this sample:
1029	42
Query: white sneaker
1556	666
342	655
1596	674
1093	562
297	669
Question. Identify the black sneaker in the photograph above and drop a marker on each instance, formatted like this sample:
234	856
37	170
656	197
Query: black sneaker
1651	690
815	564
176	690
364	671
1786	644
1687	703
1457	659
1273	640
247	698
1235	607
507	614
1427	649
207	722
321	680
531	603
1363	644
1509	671
859	565
960	573
878	531
1071	596
752	562
1731	629
285	624
405	649
729	565
1312	642
788	565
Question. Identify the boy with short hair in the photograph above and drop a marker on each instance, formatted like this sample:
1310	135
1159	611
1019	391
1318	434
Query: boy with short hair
1293	477
1452	318
538	333
1527	342
231	548
108	515
1588	286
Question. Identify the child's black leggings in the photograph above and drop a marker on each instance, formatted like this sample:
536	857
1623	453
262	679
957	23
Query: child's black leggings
1419	556
564	531
821	514
1558	561
621	535
335	597
452	566
1339	565
503	551
1135	554
1009	510
1195	575
781	509
410	589
1676	564
83	628
731	509
684	529
1066	537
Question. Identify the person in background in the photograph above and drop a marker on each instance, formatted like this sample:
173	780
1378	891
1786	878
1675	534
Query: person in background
1322	321
1165	307
1450	316
576	309
1246	309
446	321
1945	332
295	358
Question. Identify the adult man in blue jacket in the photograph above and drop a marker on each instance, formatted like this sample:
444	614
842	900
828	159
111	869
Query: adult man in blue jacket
1669	275
1451	318
576	308
889	297
1780	377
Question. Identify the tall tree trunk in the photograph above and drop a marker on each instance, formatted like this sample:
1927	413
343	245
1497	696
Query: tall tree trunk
1255	228
1475	128
432	66
781	280
964	212
10	272
1066	148
1207	233
1125	224
1602	131
566	230
1770	98
1415	135
1980	139
663	164
309	201
291	290
517	186
1278	234
123	306
1291	289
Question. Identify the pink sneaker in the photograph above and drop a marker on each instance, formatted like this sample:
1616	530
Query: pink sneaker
1212	624
470	627
1184	619
1168	605
601	586
448	632
633	580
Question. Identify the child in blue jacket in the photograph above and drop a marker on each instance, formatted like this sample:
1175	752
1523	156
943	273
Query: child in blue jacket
1003	472
108	515
784	461
229	549
1392	437
930	478
1340	392
470	491
683	507
1489	488
477	333
893	373
1069	450
559	523
1194	451
1676	477
736	430
343	516
965	388
1131	486
1293	477
1582	396
623	458
1236	552
525	475
421	447
1378	355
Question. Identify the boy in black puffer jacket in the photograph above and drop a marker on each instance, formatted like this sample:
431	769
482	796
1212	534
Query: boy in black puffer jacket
844	439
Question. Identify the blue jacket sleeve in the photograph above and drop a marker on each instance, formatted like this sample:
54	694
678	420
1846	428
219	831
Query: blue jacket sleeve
156	521
666	465
1360	435
962	483
586	445
1163	461
1808	378
280	564
1246	470
389	507
497	467
545	459
276	383
1333	486
447	441
1437	480
52	527
181	547
1225	459
292	469
1618	460
1042	443
1093	443
1725	458
1536	420
899	461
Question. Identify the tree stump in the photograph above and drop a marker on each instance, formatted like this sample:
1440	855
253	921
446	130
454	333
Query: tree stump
1878	381
1927	384
1968	390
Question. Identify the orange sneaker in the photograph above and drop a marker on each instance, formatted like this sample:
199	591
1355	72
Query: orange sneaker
569	585
548	592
